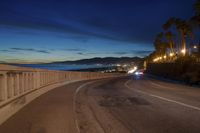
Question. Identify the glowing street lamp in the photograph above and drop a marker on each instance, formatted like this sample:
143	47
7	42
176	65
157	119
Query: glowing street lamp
156	59
183	51
195	47
165	57
171	54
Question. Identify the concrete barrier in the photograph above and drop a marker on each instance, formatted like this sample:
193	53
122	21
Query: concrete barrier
19	85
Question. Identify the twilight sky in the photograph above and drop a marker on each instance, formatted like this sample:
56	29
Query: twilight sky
56	30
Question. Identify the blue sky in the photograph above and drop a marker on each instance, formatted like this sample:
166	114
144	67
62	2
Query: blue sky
55	30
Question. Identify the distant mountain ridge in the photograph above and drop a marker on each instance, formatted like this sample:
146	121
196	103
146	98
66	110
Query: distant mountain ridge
104	61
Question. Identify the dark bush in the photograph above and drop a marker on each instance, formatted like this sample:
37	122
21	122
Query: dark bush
184	69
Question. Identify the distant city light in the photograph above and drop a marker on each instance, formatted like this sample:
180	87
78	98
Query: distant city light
125	65
165	57
195	47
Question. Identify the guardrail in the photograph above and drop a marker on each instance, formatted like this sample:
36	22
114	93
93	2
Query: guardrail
16	83
19	85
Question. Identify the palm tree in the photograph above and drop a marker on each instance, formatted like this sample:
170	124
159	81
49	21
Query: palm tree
195	20
183	28
160	36
197	7
185	31
195	23
169	36
160	45
169	23
170	39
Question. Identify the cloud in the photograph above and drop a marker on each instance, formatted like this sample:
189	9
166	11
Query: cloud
4	50
80	53
132	21
31	50
142	53
121	53
59	28
10	51
87	53
74	49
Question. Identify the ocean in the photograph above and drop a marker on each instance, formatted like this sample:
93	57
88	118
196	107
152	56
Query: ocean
63	67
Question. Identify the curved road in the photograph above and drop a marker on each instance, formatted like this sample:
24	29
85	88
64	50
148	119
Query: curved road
115	105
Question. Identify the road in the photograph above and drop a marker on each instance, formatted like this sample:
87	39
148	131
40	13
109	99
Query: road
115	105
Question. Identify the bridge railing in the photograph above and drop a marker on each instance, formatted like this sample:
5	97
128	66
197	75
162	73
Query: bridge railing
16	83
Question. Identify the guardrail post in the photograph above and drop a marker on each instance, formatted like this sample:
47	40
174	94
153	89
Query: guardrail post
21	83
69	76
10	85
16	84
3	87
37	78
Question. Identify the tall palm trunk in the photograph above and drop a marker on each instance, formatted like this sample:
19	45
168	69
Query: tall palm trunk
183	42
171	47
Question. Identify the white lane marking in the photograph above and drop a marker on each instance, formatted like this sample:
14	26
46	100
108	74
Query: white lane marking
157	85
74	100
162	98
162	86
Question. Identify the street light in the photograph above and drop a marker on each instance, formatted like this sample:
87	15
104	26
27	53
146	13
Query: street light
171	54
156	59
183	51
195	47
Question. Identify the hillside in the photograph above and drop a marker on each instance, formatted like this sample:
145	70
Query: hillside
105	61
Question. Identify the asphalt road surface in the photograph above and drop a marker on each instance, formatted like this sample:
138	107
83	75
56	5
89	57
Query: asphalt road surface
115	105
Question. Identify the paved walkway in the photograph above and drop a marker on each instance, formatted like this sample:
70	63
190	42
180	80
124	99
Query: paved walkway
50	113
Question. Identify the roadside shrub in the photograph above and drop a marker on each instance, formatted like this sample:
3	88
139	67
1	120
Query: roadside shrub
184	69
